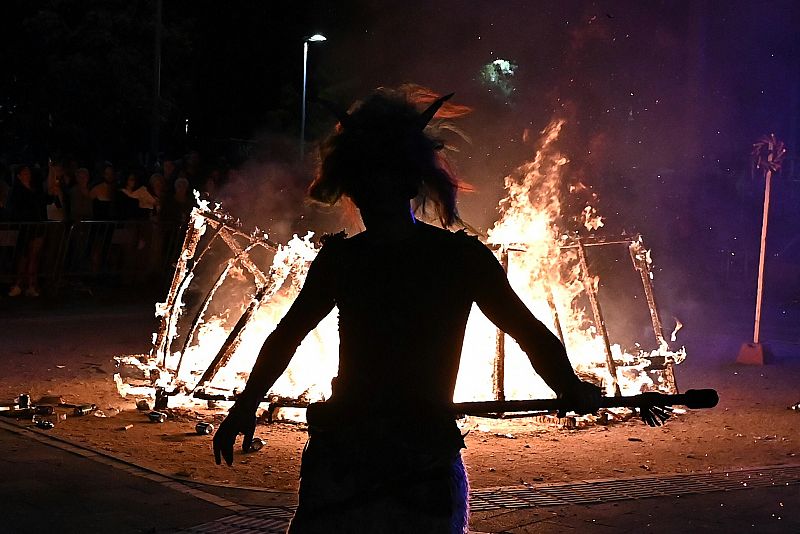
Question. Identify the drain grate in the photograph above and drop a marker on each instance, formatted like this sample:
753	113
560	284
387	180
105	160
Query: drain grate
269	520
275	519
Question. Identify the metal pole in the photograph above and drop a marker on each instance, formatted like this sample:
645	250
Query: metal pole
154	126
303	106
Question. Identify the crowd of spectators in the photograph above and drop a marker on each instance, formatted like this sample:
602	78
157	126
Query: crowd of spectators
62	191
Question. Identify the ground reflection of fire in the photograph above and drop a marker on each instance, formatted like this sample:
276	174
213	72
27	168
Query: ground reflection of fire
222	306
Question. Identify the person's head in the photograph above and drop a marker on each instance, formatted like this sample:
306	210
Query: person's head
24	176
169	168
193	159
158	184
82	177
57	169
109	176
132	182
381	157
181	187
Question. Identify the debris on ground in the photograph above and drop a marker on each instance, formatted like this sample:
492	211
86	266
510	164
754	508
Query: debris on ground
54	400
157	417
204	428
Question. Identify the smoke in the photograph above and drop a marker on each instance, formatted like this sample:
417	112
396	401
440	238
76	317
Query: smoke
268	192
662	101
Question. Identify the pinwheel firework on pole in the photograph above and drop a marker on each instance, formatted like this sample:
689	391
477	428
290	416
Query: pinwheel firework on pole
768	153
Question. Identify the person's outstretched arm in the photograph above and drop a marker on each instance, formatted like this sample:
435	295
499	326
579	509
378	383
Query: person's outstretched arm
500	303
313	303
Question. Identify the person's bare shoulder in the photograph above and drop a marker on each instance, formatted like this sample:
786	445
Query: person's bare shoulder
333	240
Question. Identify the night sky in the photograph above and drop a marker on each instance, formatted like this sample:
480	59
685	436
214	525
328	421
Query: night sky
663	99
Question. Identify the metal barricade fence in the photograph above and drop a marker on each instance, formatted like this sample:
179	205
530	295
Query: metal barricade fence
27	247
129	252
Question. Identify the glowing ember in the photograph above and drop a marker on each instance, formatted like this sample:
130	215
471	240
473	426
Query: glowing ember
235	305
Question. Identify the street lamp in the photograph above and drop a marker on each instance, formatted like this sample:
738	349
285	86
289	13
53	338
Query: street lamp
316	38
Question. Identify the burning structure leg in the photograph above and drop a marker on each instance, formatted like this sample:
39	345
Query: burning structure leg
499	367
198	319
600	324
641	262
180	279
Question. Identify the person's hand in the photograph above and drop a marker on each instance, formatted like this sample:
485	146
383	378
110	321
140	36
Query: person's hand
581	398
237	422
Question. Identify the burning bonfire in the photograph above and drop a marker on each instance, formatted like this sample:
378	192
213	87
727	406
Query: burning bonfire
222	305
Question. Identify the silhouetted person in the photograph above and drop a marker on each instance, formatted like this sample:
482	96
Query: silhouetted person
135	201
104	195
383	453
80	201
26	204
177	207
159	192
55	192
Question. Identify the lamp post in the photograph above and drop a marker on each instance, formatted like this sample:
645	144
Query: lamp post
316	38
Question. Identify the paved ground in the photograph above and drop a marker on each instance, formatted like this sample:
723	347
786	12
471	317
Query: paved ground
45	488
49	485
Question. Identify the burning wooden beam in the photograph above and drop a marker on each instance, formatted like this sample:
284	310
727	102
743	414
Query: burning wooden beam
499	366
179	280
198	318
597	313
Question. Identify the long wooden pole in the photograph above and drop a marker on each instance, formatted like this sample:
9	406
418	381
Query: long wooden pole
762	256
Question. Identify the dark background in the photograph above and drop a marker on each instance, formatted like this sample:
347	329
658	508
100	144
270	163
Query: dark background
663	102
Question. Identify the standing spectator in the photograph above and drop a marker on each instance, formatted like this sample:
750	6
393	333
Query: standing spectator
158	191
5	189
27	205
192	166
170	169
103	195
161	232
70	174
136	201
54	191
212	184
80	201
177	207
